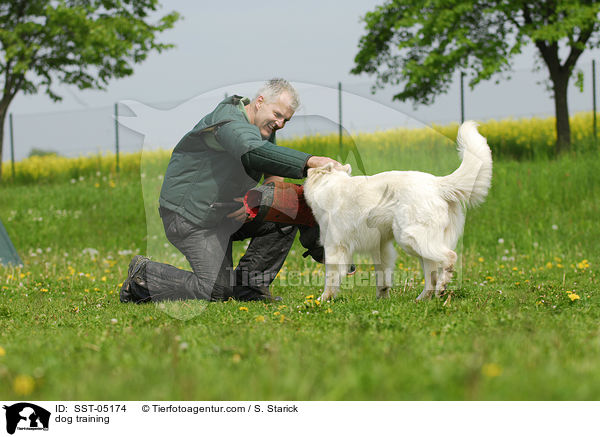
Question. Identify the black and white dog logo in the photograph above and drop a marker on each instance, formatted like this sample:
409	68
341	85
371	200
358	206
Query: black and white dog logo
26	416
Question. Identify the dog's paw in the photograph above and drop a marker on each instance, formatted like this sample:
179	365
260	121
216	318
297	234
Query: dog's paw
327	296
383	293
425	295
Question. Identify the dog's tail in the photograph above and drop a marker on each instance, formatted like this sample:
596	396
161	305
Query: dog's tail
470	183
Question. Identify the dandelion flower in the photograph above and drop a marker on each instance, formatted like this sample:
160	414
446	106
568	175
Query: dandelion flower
236	358
2	351
243	309
573	296
23	385
260	319
491	370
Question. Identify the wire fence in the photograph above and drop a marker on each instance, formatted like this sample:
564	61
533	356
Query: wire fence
522	94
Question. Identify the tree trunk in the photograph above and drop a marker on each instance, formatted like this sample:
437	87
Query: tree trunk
4	104
3	112
561	109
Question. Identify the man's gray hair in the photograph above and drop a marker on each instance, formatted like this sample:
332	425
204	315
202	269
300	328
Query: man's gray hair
273	88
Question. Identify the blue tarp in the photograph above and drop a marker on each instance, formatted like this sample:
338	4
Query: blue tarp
8	253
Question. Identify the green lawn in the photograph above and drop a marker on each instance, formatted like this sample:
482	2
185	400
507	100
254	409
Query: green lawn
523	322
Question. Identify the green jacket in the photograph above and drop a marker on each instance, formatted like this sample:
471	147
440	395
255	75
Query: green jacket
221	158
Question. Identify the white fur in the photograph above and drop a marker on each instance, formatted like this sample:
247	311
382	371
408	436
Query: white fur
423	213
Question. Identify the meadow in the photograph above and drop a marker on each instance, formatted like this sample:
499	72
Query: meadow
521	322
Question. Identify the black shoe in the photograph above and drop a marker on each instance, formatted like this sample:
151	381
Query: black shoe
135	294
262	294
137	270
134	287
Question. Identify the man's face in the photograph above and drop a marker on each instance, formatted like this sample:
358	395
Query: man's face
271	116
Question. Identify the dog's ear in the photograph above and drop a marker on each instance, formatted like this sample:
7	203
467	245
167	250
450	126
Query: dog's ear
328	167
347	168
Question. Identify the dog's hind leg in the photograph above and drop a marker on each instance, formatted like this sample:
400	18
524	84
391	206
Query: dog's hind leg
430	273
337	261
385	269
446	274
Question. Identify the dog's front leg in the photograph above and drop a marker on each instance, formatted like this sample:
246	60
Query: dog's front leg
385	269
336	266
430	273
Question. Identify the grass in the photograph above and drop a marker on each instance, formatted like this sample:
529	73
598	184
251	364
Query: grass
513	330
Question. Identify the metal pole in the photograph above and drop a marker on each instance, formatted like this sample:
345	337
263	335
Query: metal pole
117	134
12	144
594	100
462	97
340	114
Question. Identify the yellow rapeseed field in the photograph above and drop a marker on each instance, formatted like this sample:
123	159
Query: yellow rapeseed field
509	138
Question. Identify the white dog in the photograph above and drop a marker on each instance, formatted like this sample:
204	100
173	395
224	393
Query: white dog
422	212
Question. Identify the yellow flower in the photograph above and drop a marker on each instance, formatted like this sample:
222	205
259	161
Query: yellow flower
2	351
491	370
480	259
312	296
573	296
260	319
281	319
243	309
23	385
328	310
583	264
236	358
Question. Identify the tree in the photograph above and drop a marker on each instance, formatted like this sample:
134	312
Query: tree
78	42
420	43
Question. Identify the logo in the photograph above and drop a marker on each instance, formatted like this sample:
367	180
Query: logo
26	416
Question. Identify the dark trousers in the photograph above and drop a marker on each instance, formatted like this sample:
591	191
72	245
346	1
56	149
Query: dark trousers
208	251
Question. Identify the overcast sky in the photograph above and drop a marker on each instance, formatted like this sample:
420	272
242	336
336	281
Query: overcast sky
222	44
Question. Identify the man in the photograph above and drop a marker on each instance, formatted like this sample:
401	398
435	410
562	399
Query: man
212	167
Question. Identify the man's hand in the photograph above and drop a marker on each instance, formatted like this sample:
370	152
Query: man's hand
320	161
239	215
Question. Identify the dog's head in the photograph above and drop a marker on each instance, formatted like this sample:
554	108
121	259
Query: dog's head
330	168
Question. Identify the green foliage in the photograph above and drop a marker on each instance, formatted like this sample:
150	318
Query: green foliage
76	42
82	43
418	45
421	43
41	152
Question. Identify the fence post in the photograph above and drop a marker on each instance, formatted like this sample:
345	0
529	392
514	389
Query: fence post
12	144
594	101
340	115
462	97
117	134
